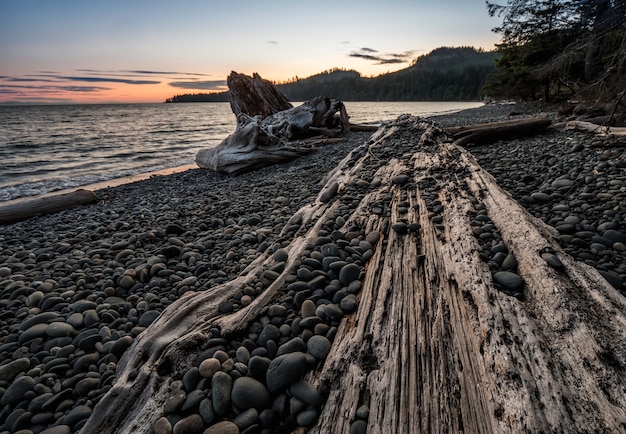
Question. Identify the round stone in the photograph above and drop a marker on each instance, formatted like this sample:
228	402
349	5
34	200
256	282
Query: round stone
358	427
162	426
552	260
250	393
508	280
148	317
318	346
222	385
15	392
348	273
306	393
285	370
308	308
189	425
307	417
224	427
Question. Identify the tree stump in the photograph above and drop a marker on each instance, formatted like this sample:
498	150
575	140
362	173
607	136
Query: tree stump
438	342
269	130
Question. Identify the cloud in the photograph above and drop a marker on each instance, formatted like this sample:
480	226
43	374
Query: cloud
101	79
133	72
273	42
217	85
383	59
9	88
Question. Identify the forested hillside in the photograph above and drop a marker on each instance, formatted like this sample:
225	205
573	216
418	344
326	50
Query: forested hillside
445	74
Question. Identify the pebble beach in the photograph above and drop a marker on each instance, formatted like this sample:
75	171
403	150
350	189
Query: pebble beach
78	286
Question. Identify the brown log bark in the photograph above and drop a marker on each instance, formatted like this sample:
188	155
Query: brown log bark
22	210
494	131
434	346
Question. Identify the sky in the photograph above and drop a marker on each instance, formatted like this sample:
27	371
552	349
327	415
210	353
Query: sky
66	51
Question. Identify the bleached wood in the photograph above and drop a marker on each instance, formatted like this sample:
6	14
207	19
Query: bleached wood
595	129
23	209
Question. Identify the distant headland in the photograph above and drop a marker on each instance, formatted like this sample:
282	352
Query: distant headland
445	74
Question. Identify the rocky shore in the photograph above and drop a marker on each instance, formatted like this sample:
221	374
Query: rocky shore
77	287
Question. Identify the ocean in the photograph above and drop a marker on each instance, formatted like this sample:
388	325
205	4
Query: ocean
50	148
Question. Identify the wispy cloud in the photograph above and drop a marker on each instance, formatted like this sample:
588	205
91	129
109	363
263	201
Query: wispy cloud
100	79
215	85
273	42
8	88
383	58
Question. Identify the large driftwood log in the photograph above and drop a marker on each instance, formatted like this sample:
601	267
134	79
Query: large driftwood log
478	134
269	130
21	210
600	130
434	346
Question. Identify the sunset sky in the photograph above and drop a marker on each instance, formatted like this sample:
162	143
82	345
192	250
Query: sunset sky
81	51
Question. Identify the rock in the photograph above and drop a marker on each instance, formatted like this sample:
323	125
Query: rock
349	303
508	280
358	427
76	415
224	427
162	426
318	346
222	384
307	418
174	401
148	317
205	409
285	370
349	273
10	370
189	425
258	366
15	392
59	329
208	367
552	260
58	429
246	419
308	308
269	332
306	393
250	393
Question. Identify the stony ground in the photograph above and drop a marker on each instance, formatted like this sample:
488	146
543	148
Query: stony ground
78	286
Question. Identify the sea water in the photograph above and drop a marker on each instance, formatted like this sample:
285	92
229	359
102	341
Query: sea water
55	147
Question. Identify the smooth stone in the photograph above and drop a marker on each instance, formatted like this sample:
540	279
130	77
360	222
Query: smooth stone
121	345
540	197
209	367
75	320
269	332
258	366
224	427
174	401
307	418
246	419
285	370
9	371
148	317
193	400
162	426
400	227
552	260
205	409
615	281
400	179
508	280
292	346
329	193
250	393
36	331
76	415
59	329
222	385
358	427
308	308
243	355
614	236
318	346
189	425
348	273
306	393
349	303
84	386
15	392
509	263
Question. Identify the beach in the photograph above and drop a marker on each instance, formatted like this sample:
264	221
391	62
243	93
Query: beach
78	286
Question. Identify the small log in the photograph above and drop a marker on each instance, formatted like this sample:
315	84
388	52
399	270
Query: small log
493	131
595	129
21	210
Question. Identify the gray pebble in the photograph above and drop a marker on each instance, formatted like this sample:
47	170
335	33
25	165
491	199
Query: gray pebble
318	346
508	280
250	393
224	427
222	384
285	370
189	425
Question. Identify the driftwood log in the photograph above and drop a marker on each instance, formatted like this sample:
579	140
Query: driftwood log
478	134
21	210
269	130
434	345
600	130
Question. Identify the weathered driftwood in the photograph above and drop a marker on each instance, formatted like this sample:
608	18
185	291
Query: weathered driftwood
493	131
269	130
434	346
254	96
22	210
595	128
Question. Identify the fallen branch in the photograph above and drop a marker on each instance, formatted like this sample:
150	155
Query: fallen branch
479	134
21	210
595	129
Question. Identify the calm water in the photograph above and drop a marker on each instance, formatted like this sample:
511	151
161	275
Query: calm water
49	148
